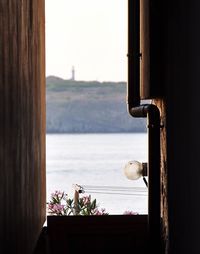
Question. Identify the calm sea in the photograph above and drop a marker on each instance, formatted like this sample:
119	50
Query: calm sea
96	161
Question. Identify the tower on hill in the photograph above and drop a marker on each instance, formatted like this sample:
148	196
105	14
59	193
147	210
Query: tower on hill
73	73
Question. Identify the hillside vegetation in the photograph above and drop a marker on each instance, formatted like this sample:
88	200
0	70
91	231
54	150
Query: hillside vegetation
88	107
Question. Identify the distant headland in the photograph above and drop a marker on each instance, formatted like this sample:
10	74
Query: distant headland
88	107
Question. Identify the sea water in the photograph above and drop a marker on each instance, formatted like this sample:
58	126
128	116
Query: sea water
96	161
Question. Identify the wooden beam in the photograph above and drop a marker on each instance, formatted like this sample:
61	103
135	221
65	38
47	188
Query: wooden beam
22	124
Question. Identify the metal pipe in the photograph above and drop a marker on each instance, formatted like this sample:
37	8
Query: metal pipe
153	169
153	124
133	53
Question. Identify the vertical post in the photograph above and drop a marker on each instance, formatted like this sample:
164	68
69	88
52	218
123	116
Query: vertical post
77	189
153	120
76	198
153	124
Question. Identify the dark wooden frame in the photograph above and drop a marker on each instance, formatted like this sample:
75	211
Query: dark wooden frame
97	234
22	124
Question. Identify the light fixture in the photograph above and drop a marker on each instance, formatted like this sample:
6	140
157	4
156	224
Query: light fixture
133	170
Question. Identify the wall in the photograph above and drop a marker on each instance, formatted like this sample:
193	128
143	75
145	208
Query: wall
181	79
182	90
22	124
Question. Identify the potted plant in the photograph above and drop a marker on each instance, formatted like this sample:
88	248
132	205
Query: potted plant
60	204
79	225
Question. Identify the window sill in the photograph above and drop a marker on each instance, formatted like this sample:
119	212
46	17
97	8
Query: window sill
97	234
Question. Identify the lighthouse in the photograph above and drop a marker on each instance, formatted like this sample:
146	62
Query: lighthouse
73	73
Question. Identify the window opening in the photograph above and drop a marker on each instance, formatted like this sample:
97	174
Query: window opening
90	136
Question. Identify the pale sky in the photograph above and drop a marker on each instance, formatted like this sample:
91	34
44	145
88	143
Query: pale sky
90	35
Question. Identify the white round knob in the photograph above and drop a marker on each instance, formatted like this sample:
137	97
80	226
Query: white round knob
133	170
